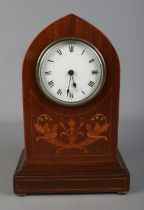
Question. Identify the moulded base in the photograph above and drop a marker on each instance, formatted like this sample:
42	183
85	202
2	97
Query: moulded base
92	178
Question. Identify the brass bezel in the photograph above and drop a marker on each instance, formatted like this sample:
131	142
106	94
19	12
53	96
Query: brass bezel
65	103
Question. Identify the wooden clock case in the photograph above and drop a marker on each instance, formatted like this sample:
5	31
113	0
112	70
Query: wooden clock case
71	149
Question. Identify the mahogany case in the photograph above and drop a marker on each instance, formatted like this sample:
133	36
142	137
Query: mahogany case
71	149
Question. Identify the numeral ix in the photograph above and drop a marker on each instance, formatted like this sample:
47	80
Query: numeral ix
48	73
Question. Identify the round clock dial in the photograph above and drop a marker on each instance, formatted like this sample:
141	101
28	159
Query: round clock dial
71	71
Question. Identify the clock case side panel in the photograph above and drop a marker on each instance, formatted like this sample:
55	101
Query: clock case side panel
70	26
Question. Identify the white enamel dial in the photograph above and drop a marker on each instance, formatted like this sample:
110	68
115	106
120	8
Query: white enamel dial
71	71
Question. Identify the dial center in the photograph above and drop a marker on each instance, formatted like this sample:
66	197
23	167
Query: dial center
71	72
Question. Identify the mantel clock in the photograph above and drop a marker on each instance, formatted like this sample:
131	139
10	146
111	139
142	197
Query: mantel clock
71	79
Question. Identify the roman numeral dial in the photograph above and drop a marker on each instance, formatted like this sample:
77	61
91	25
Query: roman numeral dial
71	72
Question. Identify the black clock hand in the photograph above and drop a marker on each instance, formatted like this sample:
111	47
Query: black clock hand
70	94
69	86
74	84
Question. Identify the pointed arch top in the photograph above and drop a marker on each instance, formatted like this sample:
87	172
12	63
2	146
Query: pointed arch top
72	26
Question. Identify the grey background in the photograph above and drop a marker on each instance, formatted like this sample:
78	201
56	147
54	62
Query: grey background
123	23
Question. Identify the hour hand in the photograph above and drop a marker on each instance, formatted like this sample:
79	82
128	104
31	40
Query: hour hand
74	84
